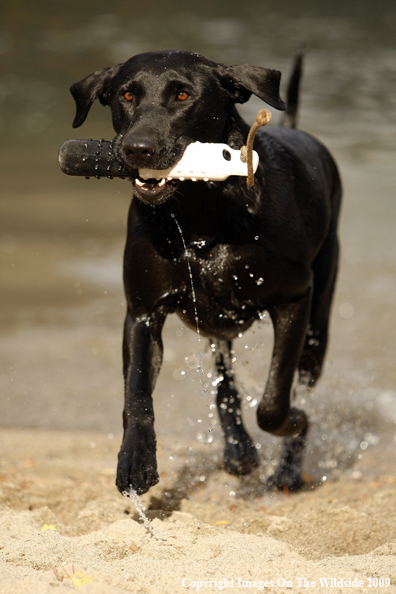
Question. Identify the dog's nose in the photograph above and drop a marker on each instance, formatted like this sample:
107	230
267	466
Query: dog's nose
139	151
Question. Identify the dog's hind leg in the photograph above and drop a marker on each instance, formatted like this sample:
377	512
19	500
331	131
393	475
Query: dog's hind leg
310	366
240	454
325	272
275	413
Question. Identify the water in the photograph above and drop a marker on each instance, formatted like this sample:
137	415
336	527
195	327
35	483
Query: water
140	509
187	255
61	239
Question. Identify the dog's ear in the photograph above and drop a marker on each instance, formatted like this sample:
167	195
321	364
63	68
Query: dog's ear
242	81
94	86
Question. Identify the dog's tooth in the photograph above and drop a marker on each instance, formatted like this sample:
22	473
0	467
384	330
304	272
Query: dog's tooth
181	178
194	179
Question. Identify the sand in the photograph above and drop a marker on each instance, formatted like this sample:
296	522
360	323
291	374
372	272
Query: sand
64	526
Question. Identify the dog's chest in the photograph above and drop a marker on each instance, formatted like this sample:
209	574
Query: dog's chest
224	288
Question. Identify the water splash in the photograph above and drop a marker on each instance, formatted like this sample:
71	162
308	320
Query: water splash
140	509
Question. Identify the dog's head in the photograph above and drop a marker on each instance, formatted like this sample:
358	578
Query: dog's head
163	101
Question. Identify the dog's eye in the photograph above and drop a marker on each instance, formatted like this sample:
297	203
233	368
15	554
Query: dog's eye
128	96
182	96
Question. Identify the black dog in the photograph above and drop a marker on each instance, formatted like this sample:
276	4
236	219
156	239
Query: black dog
271	247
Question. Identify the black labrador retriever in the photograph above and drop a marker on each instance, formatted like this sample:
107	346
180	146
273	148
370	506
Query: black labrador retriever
270	247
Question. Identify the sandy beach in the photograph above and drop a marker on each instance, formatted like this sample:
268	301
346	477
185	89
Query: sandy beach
63	525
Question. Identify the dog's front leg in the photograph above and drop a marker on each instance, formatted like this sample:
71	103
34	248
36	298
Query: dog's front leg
142	350
275	413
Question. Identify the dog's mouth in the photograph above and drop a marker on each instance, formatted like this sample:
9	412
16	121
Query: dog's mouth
154	190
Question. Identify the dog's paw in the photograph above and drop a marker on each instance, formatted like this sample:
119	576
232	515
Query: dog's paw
285	479
134	471
240	457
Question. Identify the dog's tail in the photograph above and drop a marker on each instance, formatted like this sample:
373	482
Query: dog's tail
290	115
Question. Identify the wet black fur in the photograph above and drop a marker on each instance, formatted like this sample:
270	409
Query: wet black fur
283	230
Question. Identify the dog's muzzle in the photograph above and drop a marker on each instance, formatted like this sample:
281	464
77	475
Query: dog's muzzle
200	161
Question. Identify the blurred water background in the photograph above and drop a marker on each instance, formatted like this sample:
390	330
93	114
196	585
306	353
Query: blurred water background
61	239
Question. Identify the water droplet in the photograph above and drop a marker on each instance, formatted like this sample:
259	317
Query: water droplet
217	381
346	310
204	438
140	509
